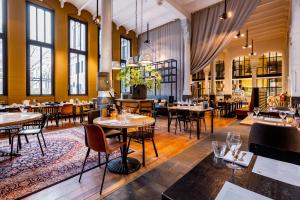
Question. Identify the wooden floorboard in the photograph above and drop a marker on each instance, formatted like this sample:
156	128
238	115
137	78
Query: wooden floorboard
168	146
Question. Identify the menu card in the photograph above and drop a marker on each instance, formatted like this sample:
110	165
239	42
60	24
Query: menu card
243	159
230	191
278	170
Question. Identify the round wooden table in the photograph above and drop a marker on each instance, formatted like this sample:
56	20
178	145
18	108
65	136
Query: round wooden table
124	164
18	118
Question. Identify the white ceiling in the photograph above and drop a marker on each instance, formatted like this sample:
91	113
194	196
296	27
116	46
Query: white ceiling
155	14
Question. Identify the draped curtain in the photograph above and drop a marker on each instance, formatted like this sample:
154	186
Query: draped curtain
166	42
210	34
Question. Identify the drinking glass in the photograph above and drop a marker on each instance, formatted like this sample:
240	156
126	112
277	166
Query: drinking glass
256	111
282	115
219	148
235	143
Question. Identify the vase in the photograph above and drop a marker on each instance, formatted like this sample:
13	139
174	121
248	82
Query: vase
139	92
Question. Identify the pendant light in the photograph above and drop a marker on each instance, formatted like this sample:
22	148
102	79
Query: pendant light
239	35
252	50
97	20
225	14
132	61
145	58
247	41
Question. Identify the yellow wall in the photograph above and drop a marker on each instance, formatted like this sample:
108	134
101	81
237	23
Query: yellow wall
17	51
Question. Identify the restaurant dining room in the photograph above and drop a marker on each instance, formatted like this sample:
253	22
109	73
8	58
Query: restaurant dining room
150	99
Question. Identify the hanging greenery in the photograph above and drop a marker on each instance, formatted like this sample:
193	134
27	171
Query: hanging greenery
141	75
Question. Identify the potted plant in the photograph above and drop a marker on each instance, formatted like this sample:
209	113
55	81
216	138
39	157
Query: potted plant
141	79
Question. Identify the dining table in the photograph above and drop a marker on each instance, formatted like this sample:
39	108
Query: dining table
197	110
208	177
17	118
124	164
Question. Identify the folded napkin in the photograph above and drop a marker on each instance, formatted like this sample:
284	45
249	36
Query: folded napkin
270	119
244	158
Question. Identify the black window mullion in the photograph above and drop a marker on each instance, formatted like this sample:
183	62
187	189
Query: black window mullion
41	68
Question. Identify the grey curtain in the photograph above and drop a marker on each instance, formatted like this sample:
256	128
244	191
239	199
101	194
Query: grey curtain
166	42
210	34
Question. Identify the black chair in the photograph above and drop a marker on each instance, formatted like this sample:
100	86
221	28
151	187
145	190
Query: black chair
276	142
142	134
172	115
35	128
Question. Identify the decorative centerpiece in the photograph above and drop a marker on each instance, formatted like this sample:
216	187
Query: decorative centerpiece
141	79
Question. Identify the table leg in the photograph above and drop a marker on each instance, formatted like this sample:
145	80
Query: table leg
212	121
124	164
198	126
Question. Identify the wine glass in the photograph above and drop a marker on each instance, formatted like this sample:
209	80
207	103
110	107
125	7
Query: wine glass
235	143
282	115
256	111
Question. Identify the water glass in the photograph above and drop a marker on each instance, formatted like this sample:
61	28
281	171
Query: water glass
256	111
282	115
219	148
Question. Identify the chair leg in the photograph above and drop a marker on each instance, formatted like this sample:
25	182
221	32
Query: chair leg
103	178
154	146
179	125
9	137
26	138
43	139
37	135
190	129
204	123
128	144
87	155
176	123
143	145
11	147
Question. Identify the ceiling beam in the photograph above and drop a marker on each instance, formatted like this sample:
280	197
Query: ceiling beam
174	7
62	3
83	6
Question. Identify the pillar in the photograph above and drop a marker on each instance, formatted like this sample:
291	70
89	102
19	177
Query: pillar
206	82
228	75
213	78
294	52
185	27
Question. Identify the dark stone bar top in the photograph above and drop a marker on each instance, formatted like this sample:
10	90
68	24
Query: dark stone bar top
207	178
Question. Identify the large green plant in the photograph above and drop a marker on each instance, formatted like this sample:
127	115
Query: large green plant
141	75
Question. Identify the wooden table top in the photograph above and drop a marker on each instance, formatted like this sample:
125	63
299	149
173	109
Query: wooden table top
191	108
207	178
132	121
18	118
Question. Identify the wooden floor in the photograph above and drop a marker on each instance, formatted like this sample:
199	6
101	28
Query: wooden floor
168	146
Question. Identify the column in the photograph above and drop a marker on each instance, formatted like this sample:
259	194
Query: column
285	71
228	75
106	37
294	52
213	78
185	27
254	64
206	82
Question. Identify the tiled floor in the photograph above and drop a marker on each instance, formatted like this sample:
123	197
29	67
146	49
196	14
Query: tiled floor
152	184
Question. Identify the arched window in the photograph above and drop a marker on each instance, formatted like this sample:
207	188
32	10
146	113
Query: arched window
241	67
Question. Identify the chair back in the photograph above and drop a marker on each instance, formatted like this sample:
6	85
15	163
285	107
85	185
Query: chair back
95	138
277	142
14	109
44	120
131	107
92	115
67	109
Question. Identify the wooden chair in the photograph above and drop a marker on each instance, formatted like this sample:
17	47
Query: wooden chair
131	107
96	140
276	142
32	129
146	133
66	112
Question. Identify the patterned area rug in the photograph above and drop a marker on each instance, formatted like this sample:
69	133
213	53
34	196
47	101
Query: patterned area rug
32	172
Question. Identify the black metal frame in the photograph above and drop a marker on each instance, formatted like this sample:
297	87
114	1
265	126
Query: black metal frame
99	49
242	68
41	45
168	74
220	70
3	36
78	52
130	54
278	66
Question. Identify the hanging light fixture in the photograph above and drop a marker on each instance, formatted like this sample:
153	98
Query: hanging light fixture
145	58
132	61
252	50
239	35
97	20
225	14
247	41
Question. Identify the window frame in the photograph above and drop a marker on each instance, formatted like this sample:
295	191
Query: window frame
79	52
3	36
41	45
124	61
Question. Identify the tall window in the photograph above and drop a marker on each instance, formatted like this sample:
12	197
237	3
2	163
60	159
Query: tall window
270	64
125	54
220	69
77	57
241	67
125	50
99	49
40	46
3	47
